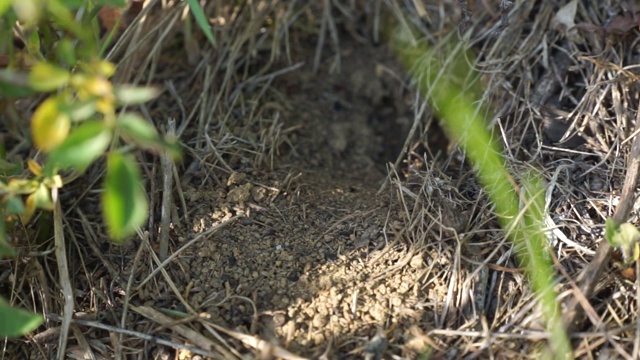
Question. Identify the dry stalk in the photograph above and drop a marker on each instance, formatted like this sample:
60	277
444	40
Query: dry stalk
167	192
63	269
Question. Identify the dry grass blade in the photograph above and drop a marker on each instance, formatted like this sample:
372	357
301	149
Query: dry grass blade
65	281
175	254
590	276
264	348
146	337
190	335
167	195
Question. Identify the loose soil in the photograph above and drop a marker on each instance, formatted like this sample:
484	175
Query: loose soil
311	252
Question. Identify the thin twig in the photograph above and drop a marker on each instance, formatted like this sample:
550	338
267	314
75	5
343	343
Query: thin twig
127	298
191	242
167	190
63	268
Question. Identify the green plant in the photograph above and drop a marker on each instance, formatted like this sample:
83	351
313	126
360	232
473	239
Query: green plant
624	236
201	19
78	122
453	91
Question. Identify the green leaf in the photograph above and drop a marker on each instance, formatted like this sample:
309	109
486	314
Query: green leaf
6	166
5	248
49	125
12	90
21	186
118	3
124	205
15	205
16	322
138	130
14	84
201	19
624	236
72	4
627	238
128	95
48	77
42	198
80	110
28	11
66	52
610	229
63	17
33	43
85	144
4	6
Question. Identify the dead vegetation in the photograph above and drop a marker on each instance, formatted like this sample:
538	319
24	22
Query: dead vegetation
290	236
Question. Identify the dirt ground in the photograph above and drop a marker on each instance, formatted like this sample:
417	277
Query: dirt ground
311	252
320	211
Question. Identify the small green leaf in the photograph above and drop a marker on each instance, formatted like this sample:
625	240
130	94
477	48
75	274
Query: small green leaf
64	18
4	6
14	205
124	205
627	239
135	129
14	84
21	186
49	125
610	229
29	209
80	110
16	322
42	198
48	77
129	95
66	52
6	166
12	90
33	43
72	4
85	144
201	19
6	250
28	11
138	130
117	3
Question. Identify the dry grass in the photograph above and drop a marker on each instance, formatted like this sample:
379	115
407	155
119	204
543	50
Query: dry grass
229	116
525	67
